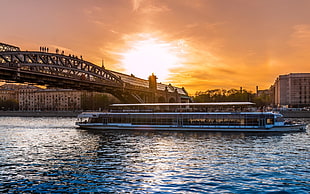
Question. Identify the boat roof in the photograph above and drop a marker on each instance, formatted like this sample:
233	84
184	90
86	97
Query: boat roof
97	114
187	104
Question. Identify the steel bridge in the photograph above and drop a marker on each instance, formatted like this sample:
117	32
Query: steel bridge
59	70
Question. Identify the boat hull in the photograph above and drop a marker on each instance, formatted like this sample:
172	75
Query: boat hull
287	128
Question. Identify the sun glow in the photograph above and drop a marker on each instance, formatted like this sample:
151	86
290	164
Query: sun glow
151	55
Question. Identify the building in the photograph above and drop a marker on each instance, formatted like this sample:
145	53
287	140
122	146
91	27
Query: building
260	93
31	98
162	92
292	90
8	97
8	92
37	99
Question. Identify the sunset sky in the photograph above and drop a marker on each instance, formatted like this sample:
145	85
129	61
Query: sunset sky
196	44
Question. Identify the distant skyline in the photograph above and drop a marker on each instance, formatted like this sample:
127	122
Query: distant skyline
197	44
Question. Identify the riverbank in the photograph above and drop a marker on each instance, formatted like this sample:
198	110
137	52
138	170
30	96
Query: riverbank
38	114
286	114
295	114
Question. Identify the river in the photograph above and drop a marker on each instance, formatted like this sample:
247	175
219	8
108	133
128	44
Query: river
51	155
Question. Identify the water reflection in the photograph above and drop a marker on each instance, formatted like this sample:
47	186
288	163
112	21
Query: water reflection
50	154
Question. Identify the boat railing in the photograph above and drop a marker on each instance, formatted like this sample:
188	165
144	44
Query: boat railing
130	111
179	110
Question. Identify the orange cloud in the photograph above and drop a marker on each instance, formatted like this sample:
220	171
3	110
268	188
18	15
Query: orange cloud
220	44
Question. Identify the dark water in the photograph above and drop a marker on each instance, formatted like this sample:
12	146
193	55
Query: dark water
49	155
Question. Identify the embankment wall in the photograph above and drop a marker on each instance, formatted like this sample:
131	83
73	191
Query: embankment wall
38	114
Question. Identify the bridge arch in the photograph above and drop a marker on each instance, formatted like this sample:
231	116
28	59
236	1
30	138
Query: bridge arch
36	67
161	99
59	70
172	100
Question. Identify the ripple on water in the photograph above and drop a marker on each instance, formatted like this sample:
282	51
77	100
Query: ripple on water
51	155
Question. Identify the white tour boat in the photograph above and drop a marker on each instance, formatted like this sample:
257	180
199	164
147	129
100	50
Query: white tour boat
187	117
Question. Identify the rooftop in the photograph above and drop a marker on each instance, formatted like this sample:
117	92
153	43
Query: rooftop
145	83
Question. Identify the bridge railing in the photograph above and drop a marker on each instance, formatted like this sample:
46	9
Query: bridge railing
65	67
57	65
6	47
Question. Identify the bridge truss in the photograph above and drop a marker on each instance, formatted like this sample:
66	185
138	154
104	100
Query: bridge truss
55	70
58	70
7	47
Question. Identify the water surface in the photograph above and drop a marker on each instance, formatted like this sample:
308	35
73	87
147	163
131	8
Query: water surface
44	155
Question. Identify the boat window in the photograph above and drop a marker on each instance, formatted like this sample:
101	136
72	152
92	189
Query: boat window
83	120
95	120
270	121
120	118
215	119
192	119
279	119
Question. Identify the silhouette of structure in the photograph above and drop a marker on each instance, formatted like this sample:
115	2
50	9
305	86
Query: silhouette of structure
59	70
